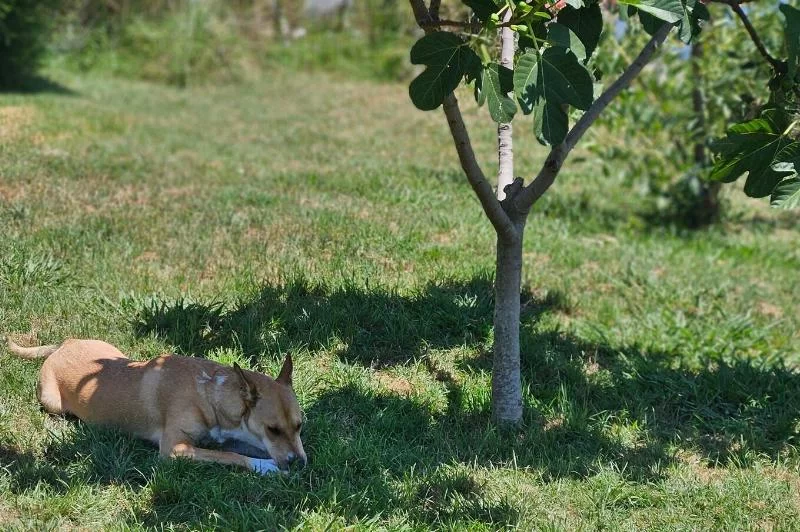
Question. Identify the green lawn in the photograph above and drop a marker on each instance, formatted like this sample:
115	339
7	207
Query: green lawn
327	218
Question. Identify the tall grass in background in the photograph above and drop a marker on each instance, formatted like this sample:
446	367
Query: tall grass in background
182	42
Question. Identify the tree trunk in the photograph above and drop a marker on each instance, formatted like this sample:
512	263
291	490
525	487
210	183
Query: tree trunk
709	206
506	381
698	105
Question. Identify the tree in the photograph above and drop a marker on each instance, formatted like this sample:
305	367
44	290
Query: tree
544	68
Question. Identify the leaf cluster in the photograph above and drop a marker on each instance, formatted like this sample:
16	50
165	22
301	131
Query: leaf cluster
766	147
552	71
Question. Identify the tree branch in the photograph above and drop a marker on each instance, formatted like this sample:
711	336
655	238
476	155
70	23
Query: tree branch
547	175
422	15
477	180
472	26
458	130
778	66
434	9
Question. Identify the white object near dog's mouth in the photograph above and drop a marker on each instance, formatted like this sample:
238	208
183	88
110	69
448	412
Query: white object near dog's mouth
262	466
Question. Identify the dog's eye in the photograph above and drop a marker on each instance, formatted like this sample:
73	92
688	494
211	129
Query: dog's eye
275	431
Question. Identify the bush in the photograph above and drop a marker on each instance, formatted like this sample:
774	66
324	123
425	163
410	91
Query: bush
24	30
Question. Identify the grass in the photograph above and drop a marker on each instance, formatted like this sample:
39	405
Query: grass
326	218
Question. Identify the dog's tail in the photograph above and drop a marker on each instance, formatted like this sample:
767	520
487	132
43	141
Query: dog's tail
30	353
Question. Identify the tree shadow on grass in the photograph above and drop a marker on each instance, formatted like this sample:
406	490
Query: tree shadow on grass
376	326
376	452
191	494
724	410
80	454
721	409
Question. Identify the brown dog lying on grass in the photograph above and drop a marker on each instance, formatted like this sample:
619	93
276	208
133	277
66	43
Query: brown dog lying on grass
173	401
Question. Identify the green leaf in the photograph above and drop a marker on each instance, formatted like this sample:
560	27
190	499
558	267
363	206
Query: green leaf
650	24
667	10
792	36
448	58
556	75
577	4
483	9
496	85
758	148
787	194
544	83
550	122
560	35
694	13
586	23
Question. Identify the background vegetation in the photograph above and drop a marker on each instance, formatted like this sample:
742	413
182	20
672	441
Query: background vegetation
202	210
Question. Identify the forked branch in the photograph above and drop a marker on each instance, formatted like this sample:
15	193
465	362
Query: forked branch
547	175
466	155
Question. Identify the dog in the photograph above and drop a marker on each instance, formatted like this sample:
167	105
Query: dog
173	401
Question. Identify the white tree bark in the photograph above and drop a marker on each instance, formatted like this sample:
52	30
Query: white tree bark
505	132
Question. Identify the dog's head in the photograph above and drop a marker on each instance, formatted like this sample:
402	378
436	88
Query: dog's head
272	413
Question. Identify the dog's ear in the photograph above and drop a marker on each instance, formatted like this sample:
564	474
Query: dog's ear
285	376
246	388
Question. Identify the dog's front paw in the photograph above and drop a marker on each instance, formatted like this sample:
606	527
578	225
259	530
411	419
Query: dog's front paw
263	466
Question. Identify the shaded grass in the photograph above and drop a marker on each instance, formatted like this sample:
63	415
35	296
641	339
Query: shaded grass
244	223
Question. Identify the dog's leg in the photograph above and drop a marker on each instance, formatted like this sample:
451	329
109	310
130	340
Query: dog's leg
240	447
180	447
49	394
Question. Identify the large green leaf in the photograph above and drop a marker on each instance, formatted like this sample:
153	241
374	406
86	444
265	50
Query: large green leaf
556	75
545	83
496	84
758	148
689	27
792	36
448	58
787	194
483	9
560	35
586	23
667	10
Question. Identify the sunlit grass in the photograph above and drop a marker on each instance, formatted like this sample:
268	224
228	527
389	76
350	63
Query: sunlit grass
328	219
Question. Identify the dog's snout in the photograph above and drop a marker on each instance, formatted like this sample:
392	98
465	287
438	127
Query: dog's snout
292	458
